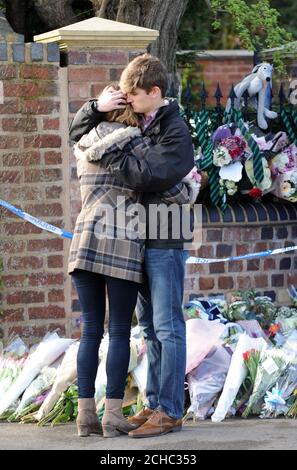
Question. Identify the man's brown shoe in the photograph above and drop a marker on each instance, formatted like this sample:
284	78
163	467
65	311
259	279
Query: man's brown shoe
141	417
157	425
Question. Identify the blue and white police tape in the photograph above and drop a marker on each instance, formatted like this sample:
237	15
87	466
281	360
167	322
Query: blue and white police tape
33	220
260	254
191	259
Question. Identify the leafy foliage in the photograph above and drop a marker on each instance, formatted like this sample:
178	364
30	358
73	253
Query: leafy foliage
256	23
233	24
249	306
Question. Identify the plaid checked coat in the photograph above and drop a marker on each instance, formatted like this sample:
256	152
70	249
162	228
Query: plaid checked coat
103	240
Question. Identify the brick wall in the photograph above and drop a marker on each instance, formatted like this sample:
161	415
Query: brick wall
223	67
224	71
32	178
246	229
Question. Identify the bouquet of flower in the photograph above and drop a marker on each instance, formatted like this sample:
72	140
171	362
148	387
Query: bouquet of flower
266	184
275	401
43	382
274	405
207	380
234	155
286	186
292	291
284	161
272	364
292	411
28	413
46	352
248	306
65	409
286	318
236	374
235	146
227	154
12	360
251	360
66	375
16	348
10	369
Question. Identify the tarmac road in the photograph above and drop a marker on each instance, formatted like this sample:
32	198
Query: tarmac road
231	434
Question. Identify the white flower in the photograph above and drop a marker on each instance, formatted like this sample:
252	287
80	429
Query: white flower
232	191
231	187
280	161
293	177
221	156
286	189
230	184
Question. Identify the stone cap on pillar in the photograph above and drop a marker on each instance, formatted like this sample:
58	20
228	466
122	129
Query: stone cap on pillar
100	33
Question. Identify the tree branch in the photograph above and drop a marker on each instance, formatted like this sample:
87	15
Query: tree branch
96	6
121	11
103	7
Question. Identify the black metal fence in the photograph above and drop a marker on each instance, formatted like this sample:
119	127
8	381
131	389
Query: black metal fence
277	102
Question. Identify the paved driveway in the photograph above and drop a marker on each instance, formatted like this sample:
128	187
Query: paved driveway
232	434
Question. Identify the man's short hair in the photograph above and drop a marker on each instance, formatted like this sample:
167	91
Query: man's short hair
145	71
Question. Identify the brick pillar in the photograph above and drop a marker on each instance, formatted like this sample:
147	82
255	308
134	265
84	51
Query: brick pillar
32	176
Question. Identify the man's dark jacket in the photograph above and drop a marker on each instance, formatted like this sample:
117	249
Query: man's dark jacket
159	168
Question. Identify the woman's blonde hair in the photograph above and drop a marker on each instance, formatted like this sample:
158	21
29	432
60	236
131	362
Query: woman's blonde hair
125	116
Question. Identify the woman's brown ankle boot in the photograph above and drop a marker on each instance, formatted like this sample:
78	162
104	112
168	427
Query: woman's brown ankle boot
87	420
113	422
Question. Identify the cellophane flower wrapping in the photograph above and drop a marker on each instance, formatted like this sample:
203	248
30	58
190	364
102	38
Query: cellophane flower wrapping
272	364
275	401
201	336
66	375
207	380
236	374
46	352
286	186
39	385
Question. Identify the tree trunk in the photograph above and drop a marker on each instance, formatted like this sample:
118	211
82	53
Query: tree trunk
55	13
163	15
16	15
166	17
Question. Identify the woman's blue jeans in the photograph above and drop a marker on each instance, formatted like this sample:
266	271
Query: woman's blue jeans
122	297
159	312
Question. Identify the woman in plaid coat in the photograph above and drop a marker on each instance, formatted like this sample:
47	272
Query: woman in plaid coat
107	253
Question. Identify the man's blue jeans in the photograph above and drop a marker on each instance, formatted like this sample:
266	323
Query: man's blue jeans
159	312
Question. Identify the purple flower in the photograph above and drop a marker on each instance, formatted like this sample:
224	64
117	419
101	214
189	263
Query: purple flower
40	399
222	132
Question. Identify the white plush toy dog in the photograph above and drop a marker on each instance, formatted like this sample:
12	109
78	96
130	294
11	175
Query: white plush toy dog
256	84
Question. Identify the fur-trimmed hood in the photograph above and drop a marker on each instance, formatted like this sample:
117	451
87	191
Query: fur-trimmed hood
95	144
